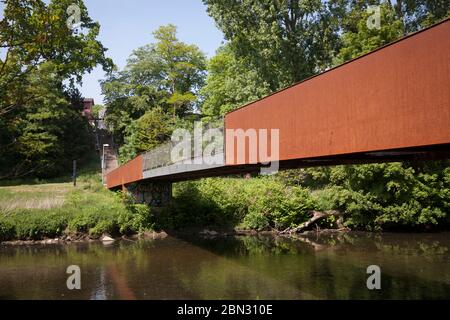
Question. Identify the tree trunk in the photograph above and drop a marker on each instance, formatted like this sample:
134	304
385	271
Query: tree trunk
316	216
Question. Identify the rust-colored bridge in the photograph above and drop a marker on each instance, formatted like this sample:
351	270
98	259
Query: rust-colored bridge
391	104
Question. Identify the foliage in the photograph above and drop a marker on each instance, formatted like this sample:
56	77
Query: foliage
145	133
88	209
41	129
259	203
46	135
364	40
273	44
413	14
388	196
165	75
138	218
284	41
96	109
230	84
34	33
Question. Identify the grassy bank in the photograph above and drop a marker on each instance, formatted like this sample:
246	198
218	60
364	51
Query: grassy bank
375	197
36	210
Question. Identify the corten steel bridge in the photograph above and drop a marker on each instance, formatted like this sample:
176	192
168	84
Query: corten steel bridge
392	104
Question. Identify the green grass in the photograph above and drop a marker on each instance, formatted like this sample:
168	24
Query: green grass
49	210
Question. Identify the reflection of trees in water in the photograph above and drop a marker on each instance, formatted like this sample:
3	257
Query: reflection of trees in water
239	267
413	266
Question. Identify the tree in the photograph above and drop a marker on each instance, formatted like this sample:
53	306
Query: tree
398	18
419	14
32	33
284	41
41	128
166	74
362	39
230	84
43	136
145	133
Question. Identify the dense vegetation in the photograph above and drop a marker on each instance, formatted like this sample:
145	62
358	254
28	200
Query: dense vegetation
373	197
41	126
155	93
88	210
262	55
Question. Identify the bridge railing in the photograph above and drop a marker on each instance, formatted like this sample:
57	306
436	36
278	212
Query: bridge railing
162	156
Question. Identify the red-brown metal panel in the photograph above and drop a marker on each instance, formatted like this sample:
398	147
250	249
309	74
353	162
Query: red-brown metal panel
395	97
125	174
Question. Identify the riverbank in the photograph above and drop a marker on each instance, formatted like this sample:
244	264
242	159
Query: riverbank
379	197
51	210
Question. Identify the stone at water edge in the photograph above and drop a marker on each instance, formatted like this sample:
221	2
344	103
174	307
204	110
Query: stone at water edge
107	239
209	232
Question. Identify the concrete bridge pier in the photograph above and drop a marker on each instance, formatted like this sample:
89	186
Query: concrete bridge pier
155	194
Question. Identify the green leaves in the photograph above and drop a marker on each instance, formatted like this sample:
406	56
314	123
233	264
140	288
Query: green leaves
42	130
158	86
389	196
145	133
230	84
283	41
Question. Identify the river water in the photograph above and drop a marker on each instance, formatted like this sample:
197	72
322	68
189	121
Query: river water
413	266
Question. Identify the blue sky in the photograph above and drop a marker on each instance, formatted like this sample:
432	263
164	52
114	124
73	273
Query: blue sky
128	24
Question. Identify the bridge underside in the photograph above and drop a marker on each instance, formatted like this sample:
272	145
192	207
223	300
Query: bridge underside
436	152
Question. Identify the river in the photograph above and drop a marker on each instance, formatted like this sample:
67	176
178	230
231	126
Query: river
413	266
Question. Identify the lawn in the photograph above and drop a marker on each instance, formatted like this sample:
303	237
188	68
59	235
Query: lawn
35	211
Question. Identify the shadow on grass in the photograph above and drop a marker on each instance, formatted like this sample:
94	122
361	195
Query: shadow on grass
88	166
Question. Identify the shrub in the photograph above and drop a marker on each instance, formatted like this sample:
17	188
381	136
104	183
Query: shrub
135	220
104	227
390	196
38	224
7	230
257	203
256	221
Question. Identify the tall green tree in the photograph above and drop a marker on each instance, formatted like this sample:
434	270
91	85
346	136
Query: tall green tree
166	75
230	84
41	128
32	33
285	41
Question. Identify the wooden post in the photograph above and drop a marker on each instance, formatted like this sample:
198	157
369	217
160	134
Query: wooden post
74	173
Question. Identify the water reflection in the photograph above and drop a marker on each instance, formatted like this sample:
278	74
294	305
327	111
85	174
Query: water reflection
240	267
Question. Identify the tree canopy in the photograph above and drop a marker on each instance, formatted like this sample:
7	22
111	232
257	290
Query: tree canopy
41	128
163	78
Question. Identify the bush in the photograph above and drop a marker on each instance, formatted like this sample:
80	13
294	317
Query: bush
38	224
135	220
104	227
390	196
7	230
256	221
257	203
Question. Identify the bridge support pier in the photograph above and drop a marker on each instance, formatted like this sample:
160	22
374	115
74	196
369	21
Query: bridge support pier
155	194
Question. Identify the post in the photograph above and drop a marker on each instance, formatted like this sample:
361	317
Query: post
74	173
104	162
